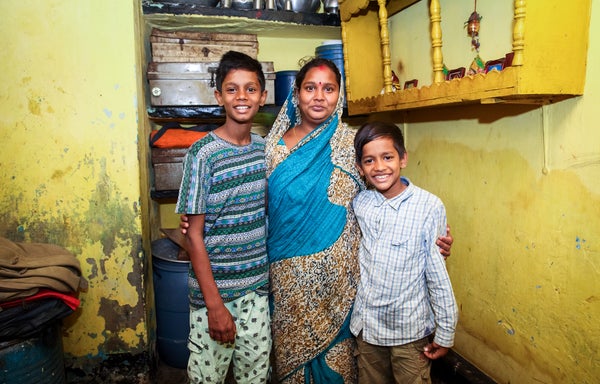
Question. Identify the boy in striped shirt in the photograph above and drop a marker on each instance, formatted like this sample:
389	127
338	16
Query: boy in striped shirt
223	193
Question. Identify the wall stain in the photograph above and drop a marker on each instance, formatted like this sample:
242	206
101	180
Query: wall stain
103	231
514	226
34	105
60	173
117	318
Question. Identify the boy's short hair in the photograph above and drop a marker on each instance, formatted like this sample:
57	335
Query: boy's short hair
374	130
236	60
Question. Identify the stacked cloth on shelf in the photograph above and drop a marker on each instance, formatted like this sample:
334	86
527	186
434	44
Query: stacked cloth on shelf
38	285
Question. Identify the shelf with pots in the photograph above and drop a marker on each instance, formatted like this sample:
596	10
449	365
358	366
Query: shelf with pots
244	18
546	41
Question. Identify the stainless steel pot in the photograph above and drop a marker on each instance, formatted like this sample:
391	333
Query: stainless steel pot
331	6
308	6
242	4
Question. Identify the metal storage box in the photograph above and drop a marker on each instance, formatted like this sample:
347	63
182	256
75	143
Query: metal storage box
185	84
168	168
189	46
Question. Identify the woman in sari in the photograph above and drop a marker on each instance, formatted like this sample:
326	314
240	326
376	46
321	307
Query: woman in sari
313	236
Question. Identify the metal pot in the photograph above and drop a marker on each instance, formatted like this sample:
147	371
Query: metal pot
242	4
331	6
202	3
307	6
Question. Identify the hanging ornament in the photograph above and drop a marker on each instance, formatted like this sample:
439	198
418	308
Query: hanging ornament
472	25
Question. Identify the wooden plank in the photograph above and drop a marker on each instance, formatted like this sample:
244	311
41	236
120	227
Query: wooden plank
189	46
170	40
166	52
198	37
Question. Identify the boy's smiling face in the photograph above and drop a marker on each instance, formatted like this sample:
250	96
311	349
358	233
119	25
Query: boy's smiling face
381	165
241	95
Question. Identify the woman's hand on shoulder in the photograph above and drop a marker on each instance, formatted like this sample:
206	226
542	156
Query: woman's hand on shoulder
445	243
183	224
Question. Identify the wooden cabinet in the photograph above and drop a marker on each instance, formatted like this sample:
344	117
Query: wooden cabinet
549	41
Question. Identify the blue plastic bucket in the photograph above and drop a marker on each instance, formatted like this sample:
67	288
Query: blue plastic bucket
284	82
330	51
170	278
331	55
329	48
335	53
38	359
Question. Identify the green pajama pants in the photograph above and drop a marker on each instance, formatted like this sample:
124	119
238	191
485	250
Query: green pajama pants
249	355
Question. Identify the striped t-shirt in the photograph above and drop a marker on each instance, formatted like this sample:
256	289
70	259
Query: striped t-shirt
227	184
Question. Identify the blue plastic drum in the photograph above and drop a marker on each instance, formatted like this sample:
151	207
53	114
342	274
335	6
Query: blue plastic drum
38	359
170	278
284	82
333	50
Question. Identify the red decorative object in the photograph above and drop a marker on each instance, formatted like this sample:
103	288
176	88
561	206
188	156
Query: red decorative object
472	25
411	84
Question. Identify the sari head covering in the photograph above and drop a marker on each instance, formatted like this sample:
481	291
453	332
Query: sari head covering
313	241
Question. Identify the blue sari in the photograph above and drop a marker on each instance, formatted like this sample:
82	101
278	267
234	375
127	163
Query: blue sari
312	244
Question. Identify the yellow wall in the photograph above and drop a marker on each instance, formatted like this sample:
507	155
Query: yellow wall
70	166
522	189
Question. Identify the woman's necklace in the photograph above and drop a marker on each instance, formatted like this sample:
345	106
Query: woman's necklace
295	135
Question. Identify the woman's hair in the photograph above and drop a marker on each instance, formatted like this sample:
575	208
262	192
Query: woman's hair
317	62
374	130
236	60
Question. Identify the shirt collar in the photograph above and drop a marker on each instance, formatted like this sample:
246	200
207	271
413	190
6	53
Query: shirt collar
395	201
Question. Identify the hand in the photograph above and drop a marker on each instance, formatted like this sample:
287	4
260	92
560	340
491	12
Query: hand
183	224
445	243
221	326
434	351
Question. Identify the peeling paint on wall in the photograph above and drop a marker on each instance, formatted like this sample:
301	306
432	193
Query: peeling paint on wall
71	174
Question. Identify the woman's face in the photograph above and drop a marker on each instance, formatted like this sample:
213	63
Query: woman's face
318	95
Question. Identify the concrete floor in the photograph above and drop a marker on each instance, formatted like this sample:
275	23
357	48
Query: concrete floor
127	369
451	370
167	375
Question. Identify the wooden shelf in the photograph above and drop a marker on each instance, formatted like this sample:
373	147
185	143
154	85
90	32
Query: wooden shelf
546	45
206	114
495	87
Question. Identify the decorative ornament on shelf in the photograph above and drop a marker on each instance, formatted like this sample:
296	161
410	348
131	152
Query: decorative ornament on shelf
472	25
477	66
395	81
395	84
